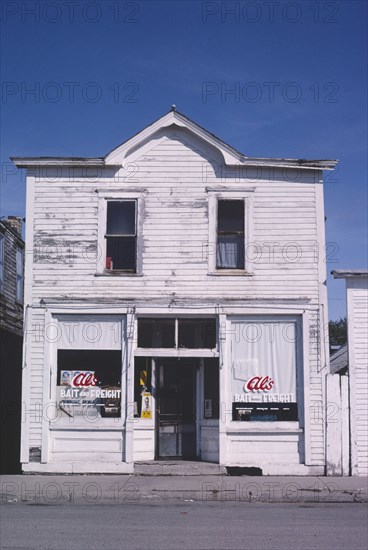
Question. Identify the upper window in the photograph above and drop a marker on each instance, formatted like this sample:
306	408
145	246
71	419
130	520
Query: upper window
2	243
20	277
230	245
121	236
230	232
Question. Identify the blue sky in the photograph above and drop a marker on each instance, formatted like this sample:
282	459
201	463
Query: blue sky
78	78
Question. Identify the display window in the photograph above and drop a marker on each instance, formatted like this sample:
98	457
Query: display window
264	371
89	368
89	383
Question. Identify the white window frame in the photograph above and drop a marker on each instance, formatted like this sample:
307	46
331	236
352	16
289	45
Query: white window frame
104	197
53	421
2	262
302	373
19	257
214	195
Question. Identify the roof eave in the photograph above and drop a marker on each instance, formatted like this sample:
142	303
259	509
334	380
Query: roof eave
349	273
37	162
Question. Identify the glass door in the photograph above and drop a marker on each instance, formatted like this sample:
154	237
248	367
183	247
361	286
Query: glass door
176	409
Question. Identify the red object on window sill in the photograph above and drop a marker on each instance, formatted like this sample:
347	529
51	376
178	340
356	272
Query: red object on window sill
108	262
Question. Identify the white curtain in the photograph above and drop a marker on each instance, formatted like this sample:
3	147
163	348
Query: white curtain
102	332
264	349
229	252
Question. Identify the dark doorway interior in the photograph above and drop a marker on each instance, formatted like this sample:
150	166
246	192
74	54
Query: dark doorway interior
176	408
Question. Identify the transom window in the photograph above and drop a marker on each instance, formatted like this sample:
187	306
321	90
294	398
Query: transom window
121	236
177	333
230	244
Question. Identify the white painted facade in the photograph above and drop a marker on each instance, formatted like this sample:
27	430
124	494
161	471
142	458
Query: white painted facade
357	317
175	172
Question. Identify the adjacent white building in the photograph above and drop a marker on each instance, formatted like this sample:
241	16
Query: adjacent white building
357	402
175	307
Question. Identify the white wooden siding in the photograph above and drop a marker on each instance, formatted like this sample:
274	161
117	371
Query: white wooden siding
175	234
357	308
33	380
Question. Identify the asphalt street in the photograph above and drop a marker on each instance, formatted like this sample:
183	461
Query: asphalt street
184	525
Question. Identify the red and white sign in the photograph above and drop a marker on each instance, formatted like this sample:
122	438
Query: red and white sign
78	378
259	384
84	379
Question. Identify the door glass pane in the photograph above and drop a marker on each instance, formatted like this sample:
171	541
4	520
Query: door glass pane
211	388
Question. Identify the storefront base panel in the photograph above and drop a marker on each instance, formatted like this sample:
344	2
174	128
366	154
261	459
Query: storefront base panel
259	449
280	469
79	468
144	444
210	441
87	446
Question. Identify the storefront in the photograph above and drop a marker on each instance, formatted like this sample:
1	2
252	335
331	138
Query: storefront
140	386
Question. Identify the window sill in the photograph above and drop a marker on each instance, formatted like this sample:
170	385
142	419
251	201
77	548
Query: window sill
101	425
230	273
237	427
176	352
117	273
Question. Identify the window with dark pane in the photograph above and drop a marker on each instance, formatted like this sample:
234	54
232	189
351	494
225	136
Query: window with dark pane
211	388
230	234
121	236
156	333
197	333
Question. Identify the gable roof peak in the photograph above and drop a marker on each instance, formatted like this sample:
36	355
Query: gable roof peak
174	117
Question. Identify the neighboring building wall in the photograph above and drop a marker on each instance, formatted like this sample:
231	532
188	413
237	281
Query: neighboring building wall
11	304
356	401
338	421
11	342
176	177
357	311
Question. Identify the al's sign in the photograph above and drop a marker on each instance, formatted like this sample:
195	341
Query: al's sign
78	378
259	384
84	379
261	389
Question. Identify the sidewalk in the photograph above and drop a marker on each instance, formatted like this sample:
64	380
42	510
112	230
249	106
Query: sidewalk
120	489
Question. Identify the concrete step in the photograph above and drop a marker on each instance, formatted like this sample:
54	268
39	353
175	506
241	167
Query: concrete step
177	468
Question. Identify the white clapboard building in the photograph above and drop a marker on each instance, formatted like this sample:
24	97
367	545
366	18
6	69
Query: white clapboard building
355	399
175	303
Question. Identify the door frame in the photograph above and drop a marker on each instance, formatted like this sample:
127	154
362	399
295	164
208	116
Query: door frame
198	402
